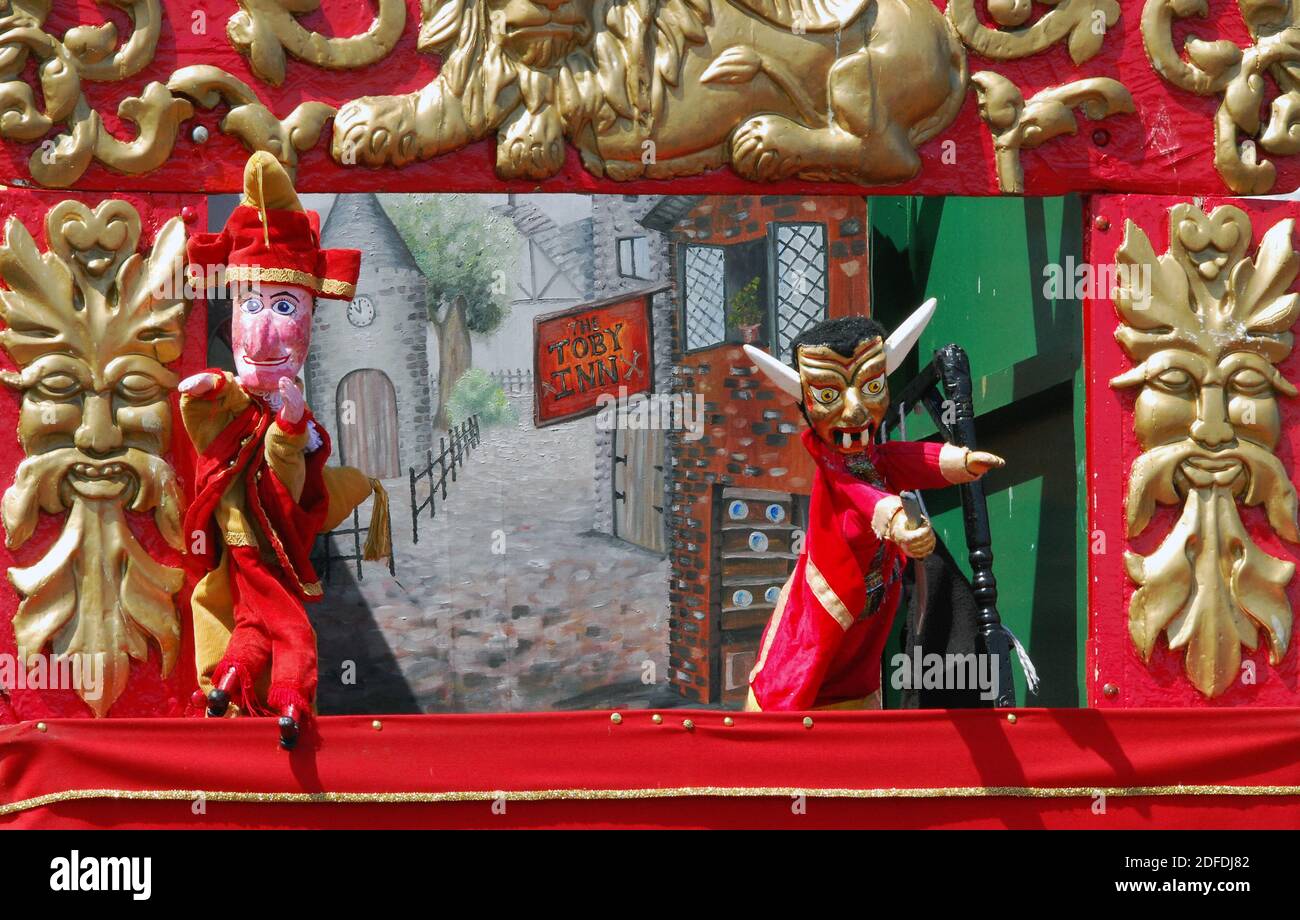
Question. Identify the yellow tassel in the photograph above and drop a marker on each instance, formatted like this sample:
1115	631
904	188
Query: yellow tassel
379	544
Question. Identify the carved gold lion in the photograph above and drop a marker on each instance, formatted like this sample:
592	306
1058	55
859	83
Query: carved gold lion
819	89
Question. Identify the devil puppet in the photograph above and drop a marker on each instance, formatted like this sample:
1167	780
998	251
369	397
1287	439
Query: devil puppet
823	643
262	490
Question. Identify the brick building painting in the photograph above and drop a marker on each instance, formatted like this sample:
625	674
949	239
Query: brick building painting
758	269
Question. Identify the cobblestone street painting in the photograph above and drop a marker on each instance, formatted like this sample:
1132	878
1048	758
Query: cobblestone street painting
623	553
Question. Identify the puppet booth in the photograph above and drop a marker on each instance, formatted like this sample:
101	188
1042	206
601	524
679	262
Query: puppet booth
673	413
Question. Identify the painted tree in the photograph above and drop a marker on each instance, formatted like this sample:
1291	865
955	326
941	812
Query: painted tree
465	251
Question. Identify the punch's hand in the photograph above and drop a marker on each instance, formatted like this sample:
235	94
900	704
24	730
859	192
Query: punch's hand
294	405
979	462
200	385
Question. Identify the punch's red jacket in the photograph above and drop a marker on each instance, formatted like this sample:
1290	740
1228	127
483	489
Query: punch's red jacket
823	643
289	526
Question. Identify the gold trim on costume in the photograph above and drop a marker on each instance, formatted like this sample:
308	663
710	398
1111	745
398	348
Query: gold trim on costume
827	596
290	276
235	538
671	792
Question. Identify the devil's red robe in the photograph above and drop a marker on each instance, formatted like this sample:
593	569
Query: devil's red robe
823	643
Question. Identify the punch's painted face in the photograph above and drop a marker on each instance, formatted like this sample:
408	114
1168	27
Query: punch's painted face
846	398
270	332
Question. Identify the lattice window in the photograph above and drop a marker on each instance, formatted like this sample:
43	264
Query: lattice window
801	294
704	319
634	257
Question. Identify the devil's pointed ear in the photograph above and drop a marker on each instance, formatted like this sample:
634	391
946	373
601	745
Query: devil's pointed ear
783	375
904	337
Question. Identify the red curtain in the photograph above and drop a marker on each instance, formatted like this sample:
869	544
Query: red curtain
1048	768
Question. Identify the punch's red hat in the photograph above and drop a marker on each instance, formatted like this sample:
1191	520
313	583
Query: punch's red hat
270	238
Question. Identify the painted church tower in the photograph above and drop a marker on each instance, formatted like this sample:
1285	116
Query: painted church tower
368	372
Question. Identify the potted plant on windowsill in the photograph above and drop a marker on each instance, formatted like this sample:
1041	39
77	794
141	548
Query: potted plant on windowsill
745	312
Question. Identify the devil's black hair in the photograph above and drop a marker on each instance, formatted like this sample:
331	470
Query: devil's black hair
842	335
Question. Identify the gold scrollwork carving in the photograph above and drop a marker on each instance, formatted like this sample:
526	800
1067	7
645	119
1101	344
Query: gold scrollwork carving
263	30
1083	23
248	119
1222	68
90	53
1207	327
91	326
1019	125
843	90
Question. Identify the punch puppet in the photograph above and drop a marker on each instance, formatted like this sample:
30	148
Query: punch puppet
262	490
822	646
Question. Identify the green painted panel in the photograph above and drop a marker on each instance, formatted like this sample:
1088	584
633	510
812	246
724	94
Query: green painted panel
985	259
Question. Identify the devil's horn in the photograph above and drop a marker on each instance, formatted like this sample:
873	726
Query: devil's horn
780	373
904	337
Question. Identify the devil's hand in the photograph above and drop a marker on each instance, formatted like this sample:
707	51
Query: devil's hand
979	462
916	542
200	385
293	405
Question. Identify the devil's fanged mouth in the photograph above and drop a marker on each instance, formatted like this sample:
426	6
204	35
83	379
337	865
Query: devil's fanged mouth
852	439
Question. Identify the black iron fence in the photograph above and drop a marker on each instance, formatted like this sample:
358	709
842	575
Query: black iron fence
452	450
516	381
324	555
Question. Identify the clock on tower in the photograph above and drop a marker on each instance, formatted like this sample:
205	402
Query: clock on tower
361	311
